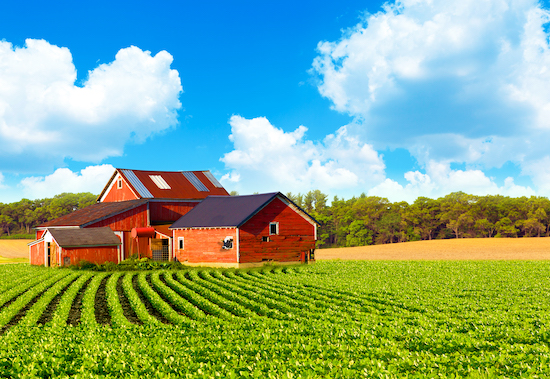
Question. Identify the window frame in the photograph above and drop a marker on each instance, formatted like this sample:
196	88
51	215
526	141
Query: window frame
276	224
181	243
119	183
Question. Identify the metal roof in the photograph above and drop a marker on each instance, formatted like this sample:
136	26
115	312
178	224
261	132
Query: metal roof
85	237
176	184
217	211
228	211
136	183
94	212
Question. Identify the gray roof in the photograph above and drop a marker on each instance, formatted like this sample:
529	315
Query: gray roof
72	237
230	211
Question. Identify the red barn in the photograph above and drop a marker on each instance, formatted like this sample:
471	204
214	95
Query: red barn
242	231
131	199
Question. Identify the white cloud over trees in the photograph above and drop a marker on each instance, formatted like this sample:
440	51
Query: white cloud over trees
90	179
44	115
266	158
452	82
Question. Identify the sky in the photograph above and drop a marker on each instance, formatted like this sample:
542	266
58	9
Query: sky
391	99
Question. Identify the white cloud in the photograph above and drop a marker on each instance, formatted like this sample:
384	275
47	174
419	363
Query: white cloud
440	180
91	179
266	158
451	81
2	185
44	115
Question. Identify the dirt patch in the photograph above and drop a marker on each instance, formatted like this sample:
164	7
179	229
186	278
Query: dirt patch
452	249
12	249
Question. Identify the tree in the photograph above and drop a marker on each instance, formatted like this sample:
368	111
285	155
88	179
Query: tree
358	234
6	222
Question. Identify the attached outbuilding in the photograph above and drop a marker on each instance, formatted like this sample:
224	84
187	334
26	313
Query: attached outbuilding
244	231
70	246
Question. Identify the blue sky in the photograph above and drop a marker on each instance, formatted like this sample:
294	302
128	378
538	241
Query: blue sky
419	98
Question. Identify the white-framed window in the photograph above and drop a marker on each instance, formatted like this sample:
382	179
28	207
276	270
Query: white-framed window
273	228
181	243
119	183
228	242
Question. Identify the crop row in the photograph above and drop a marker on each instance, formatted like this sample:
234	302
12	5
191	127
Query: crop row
163	297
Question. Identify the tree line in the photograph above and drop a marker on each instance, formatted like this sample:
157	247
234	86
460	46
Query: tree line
367	220
20	217
359	221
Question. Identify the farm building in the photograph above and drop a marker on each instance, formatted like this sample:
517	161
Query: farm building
239	231
130	201
70	246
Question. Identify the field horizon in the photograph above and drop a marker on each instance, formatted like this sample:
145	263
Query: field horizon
526	248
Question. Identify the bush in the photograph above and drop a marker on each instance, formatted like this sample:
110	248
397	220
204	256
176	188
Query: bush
130	264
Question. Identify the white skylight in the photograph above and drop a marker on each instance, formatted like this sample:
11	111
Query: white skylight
159	181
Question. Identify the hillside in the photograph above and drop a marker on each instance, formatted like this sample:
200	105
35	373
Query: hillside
451	249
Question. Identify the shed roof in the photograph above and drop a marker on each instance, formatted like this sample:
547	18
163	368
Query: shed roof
228	211
85	237
169	184
94	212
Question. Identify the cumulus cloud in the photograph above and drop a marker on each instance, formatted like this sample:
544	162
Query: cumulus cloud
44	115
440	180
266	158
91	179
451	81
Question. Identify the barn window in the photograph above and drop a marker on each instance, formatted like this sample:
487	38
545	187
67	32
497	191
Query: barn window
273	228
228	242
265	239
119	183
180	243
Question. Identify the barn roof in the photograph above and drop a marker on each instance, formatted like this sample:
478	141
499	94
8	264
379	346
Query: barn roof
169	184
85	237
228	211
93	213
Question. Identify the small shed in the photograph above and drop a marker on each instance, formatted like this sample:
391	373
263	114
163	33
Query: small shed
69	246
244	231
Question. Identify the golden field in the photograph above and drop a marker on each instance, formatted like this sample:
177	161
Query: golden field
451	249
13	251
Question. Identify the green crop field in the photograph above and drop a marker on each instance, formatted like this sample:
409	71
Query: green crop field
332	319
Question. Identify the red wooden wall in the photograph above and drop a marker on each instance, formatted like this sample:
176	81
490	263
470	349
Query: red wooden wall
124	222
99	254
119	194
37	254
205	245
169	210
296	235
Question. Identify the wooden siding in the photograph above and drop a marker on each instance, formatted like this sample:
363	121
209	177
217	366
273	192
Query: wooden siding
37	254
119	194
99	254
296	235
134	218
40	233
124	222
205	245
166	211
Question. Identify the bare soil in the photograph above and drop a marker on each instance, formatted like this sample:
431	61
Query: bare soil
452	249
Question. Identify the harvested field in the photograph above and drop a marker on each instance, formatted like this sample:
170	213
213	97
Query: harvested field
14	251
452	249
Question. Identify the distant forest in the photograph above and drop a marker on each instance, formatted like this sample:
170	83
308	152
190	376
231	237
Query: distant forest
367	220
22	216
359	221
